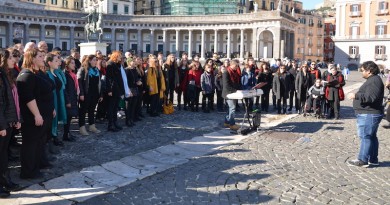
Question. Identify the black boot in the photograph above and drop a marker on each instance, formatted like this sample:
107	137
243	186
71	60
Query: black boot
5	180
117	126
4	193
111	128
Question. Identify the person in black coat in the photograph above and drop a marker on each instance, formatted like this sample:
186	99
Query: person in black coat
264	82
231	82
71	96
115	89
281	85
293	97
131	101
8	120
302	84
36	108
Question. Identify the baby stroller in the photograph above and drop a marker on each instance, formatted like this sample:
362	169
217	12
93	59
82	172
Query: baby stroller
314	105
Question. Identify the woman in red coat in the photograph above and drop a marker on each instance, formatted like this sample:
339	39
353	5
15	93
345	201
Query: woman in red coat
193	86
334	92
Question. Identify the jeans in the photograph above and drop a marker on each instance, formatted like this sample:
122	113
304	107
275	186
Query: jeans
229	119
367	127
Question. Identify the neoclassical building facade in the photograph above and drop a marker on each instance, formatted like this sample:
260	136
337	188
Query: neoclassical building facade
265	34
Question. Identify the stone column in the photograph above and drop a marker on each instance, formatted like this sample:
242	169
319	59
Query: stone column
71	37
126	45
10	40
343	14
254	44
113	46
139	42
164	42
215	40
57	37
42	31
228	45
276	43
338	23
367	20
177	44
26	33
189	44
202	46
152	41
242	45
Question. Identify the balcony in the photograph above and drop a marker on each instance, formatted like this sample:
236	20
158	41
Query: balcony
310	44
354	56
310	34
319	45
381	57
319	25
355	14
311	24
382	12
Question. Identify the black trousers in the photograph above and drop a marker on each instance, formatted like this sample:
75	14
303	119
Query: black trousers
208	101
138	106
101	111
301	101
313	103
34	138
179	97
265	100
4	142
131	103
279	105
293	99
88	106
220	100
154	104
335	106
112	109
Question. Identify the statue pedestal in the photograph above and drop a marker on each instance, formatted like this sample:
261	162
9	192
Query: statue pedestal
92	47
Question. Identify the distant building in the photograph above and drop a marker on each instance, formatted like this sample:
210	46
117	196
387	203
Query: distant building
270	5
362	32
329	32
121	7
56	5
201	7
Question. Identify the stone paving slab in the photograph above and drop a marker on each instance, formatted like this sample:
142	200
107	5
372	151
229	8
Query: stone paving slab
101	175
75	186
179	152
123	170
35	194
159	157
145	166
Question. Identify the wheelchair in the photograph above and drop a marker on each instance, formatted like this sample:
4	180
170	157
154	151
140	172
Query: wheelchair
314	106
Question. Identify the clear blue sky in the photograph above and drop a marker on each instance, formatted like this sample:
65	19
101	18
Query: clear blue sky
310	4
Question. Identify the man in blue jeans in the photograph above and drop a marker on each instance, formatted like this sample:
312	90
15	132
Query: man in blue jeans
367	103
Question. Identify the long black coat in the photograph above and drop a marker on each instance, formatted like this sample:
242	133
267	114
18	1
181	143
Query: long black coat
228	86
71	95
7	103
277	85
302	84
114	81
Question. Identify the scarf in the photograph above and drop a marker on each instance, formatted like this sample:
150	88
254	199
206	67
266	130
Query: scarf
76	82
235	75
93	72
124	78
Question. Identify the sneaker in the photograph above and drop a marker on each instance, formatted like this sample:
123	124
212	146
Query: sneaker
373	164
234	127
358	163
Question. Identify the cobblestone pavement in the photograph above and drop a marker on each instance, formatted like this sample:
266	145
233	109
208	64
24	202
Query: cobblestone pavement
301	161
295	162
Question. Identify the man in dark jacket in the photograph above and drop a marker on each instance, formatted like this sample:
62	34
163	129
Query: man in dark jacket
367	103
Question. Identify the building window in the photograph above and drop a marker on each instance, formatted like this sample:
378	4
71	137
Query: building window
263	5
272	6
383	5
379	50
354	31
152	7
42	1
330	45
381	30
115	8
353	50
65	3
54	2
126	11
355	10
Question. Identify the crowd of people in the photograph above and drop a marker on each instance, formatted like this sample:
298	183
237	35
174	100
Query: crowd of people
41	90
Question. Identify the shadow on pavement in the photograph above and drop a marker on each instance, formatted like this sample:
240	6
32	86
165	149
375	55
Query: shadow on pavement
206	180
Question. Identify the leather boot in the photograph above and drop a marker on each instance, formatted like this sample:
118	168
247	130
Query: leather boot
83	131
6	182
92	128
4	193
